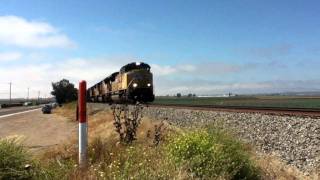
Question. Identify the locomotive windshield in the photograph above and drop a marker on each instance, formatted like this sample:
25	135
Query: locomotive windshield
134	66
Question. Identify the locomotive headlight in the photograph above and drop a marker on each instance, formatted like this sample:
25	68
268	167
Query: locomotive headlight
135	85
149	85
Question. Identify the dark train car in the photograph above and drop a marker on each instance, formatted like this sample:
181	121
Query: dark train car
133	83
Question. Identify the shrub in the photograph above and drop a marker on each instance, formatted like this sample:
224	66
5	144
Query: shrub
13	161
204	154
211	154
16	163
124	161
58	169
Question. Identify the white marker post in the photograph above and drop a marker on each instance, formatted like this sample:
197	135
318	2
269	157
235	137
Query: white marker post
83	128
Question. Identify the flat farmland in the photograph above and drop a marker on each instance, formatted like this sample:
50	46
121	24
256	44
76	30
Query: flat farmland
247	101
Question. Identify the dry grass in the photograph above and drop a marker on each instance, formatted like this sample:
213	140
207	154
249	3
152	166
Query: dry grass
67	110
273	168
104	141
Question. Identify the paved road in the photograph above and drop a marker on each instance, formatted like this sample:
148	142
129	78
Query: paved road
12	110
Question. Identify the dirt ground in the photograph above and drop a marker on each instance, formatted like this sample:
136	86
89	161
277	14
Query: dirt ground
42	132
38	131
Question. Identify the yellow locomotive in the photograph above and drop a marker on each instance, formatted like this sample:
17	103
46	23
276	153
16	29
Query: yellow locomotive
133	83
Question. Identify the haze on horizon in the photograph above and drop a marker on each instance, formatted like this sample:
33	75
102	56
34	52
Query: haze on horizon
203	47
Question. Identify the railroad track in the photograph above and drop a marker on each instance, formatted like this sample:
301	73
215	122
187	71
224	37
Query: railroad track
305	112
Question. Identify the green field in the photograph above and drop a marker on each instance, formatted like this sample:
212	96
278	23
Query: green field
254	101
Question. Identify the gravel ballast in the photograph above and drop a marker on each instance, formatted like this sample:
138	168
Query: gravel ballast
296	140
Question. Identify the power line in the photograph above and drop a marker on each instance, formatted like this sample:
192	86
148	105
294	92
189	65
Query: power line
11	94
28	94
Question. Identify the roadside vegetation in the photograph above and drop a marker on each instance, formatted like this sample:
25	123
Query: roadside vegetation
14	161
68	110
161	151
188	154
196	154
17	163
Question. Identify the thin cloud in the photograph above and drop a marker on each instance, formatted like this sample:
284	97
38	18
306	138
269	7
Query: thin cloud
39	77
270	52
9	56
161	70
166	86
20	32
200	69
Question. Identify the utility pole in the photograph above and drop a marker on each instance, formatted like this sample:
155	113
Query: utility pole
10	92
39	97
28	95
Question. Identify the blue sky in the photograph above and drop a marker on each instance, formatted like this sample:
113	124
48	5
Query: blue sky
203	47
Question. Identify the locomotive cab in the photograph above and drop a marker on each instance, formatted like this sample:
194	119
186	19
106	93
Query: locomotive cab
138	80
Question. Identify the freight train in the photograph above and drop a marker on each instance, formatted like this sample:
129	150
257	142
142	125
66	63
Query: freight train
132	84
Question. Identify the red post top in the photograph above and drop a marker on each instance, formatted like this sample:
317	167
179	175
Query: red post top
82	101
